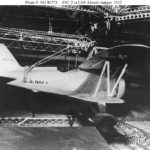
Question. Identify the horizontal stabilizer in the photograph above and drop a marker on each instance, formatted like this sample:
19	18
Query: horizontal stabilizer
7	60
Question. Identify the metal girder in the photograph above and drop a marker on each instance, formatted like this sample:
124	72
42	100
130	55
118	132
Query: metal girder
53	121
142	12
128	10
92	9
142	15
41	40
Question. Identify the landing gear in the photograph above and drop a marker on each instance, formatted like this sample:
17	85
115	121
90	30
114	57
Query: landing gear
104	122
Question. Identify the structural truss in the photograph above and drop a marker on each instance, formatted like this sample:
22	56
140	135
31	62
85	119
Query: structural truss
142	12
42	40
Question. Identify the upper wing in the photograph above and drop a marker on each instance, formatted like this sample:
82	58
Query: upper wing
135	55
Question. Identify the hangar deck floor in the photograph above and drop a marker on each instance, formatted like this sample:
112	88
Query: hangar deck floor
51	138
143	125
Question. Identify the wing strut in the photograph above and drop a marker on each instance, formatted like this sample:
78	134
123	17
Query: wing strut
109	92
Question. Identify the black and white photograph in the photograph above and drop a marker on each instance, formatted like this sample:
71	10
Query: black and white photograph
74	77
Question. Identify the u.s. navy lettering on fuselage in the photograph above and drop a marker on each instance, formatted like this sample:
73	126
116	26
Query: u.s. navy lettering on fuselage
36	81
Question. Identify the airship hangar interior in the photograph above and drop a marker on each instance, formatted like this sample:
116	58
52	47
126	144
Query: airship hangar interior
107	47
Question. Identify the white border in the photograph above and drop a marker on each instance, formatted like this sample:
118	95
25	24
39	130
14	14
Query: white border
74	2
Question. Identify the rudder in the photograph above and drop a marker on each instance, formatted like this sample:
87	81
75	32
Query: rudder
7	60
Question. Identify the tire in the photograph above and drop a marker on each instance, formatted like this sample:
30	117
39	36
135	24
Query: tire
106	124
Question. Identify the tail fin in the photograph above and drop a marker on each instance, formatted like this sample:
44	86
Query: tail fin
7	60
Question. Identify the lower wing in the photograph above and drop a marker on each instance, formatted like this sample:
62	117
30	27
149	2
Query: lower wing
81	96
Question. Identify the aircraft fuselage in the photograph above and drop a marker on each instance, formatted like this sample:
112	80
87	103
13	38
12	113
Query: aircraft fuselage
45	78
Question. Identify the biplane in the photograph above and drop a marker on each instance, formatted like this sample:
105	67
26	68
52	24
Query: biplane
106	86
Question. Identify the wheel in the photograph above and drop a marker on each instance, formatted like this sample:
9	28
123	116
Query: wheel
84	43
106	124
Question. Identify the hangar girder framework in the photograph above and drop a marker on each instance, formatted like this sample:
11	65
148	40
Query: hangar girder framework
126	17
91	9
51	121
42	40
138	13
125	14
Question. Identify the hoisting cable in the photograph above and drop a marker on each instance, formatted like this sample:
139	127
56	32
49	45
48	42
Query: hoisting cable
53	56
